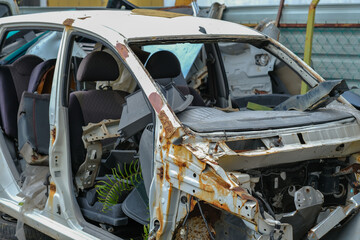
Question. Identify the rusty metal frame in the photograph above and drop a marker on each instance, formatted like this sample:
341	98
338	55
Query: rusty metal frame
309	39
184	166
278	17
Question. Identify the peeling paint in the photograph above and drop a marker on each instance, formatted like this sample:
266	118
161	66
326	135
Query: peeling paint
53	135
83	18
68	22
122	50
156	101
52	193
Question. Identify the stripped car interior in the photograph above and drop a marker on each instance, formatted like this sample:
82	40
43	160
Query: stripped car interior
210	116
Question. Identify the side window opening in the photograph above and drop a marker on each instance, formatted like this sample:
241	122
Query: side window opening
26	75
100	153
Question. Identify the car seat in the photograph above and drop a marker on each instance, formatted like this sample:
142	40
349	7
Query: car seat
92	106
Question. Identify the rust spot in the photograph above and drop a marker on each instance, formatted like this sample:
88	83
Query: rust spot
211	183
83	18
242	193
256	91
180	175
216	178
156	101
216	149
167	176
52	193
181	156
160	172
192	204
52	188
122	50
160	217
353	168
242	150
68	22
53	135
167	125
34	158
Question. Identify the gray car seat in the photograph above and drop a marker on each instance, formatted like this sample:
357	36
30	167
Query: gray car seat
33	116
14	80
165	68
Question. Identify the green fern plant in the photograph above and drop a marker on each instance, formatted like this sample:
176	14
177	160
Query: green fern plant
146	232
120	181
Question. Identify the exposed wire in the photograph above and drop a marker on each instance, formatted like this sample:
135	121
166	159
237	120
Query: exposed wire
267	205
207	226
187	211
186	217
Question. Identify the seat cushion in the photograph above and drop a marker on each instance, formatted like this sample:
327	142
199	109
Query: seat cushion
86	107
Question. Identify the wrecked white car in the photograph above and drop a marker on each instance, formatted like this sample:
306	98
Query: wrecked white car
164	126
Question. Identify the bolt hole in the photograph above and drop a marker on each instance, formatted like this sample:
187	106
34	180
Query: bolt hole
193	191
194	174
246	207
340	147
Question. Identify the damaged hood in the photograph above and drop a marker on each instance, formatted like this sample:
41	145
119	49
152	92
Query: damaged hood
203	119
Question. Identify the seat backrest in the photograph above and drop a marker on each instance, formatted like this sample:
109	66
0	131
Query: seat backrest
41	77
14	80
93	106
165	68
33	115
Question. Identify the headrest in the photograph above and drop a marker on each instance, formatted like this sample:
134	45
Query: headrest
39	73
98	66
163	64
25	64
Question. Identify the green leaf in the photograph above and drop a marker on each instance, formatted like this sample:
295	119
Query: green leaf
118	182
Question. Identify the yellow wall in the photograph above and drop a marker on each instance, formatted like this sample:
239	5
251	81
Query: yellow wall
76	3
147	3
182	2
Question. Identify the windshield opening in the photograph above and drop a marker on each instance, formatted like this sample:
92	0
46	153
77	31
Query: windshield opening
236	75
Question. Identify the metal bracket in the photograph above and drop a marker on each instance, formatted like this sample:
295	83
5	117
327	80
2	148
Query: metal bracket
105	129
335	217
93	134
